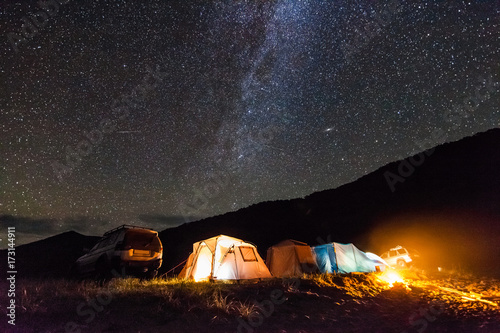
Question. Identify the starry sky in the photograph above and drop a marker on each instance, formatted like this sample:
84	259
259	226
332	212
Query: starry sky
158	113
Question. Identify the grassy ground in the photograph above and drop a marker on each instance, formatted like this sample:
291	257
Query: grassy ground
316	303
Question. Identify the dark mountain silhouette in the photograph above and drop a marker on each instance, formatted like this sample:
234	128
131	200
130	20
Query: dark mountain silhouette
50	257
445	202
454	186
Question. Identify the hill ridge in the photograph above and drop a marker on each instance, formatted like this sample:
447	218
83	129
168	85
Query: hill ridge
458	183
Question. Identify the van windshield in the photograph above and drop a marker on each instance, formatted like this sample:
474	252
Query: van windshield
142	240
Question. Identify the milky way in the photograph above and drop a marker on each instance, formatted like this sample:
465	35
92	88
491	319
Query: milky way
158	113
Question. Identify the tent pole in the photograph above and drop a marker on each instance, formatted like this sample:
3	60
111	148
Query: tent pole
336	259
354	255
195	260
213	259
236	264
224	257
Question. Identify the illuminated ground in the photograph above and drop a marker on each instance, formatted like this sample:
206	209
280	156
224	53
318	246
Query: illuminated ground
348	303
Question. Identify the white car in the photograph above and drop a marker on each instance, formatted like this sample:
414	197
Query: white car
124	250
400	257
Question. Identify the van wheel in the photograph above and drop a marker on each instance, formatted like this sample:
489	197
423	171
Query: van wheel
74	272
102	270
148	275
401	263
152	274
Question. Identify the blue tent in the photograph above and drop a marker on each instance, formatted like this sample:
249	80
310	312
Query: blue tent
344	258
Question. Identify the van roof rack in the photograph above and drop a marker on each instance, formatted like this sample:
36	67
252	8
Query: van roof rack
125	226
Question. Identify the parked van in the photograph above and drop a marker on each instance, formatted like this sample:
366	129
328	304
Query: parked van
126	250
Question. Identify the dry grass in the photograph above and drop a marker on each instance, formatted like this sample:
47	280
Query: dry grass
37	296
159	296
353	284
221	303
245	309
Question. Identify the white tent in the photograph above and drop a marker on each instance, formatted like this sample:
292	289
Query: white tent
224	258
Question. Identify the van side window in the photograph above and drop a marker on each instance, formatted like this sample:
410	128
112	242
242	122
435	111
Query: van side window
96	246
113	237
105	242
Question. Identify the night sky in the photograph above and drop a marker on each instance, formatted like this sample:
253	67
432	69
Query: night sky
161	112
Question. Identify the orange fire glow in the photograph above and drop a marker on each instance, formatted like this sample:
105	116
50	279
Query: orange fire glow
391	277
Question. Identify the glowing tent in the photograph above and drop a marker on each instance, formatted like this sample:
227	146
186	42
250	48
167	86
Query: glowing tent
345	258
224	258
290	258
